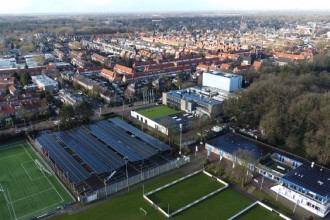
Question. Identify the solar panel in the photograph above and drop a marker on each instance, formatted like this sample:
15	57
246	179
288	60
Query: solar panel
97	165
313	179
146	137
63	159
120	134
97	148
114	144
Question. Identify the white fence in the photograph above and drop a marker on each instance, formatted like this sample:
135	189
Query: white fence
261	204
125	183
145	196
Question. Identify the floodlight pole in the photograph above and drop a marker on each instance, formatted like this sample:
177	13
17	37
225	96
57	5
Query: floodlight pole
180	138
105	187
262	181
126	173
277	193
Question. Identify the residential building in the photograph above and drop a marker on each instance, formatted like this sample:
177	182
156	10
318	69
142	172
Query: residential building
7	81
242	69
122	69
13	90
45	83
98	58
110	75
69	98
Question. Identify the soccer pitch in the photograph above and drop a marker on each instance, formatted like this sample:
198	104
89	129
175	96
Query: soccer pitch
184	192
258	212
222	205
26	191
157	112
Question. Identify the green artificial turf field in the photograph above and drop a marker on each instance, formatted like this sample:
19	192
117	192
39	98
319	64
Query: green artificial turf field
185	192
157	112
25	191
258	212
223	205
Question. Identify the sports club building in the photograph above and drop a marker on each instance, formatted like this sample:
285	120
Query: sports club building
304	183
308	186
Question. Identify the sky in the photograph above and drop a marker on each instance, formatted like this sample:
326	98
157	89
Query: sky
103	6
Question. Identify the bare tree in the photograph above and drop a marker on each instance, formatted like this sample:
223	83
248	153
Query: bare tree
244	158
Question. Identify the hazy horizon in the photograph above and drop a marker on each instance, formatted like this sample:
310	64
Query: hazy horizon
148	6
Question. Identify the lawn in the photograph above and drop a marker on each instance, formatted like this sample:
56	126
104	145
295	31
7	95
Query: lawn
157	112
258	212
185	192
25	190
220	206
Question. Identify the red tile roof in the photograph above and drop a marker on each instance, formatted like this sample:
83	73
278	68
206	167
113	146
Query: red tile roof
109	73
12	88
123	68
7	80
257	65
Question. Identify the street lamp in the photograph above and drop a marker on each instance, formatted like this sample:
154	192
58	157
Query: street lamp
180	138
141	172
126	173
123	100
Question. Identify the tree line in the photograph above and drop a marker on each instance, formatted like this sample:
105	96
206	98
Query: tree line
291	110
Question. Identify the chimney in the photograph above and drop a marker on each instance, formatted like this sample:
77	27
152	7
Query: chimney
312	165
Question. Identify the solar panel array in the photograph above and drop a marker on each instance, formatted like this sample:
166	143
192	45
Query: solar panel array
97	165
117	145
146	137
63	159
102	146
97	148
120	134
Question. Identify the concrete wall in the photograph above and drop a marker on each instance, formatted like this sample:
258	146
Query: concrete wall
149	122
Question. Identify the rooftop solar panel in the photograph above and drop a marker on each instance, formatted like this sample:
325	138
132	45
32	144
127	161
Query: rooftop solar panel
146	137
315	179
63	159
119	134
114	144
97	148
97	165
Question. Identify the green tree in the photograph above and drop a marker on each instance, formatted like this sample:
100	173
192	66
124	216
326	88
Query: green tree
67	116
84	112
24	78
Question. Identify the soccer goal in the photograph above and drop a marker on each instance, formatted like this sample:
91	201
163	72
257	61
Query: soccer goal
41	167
